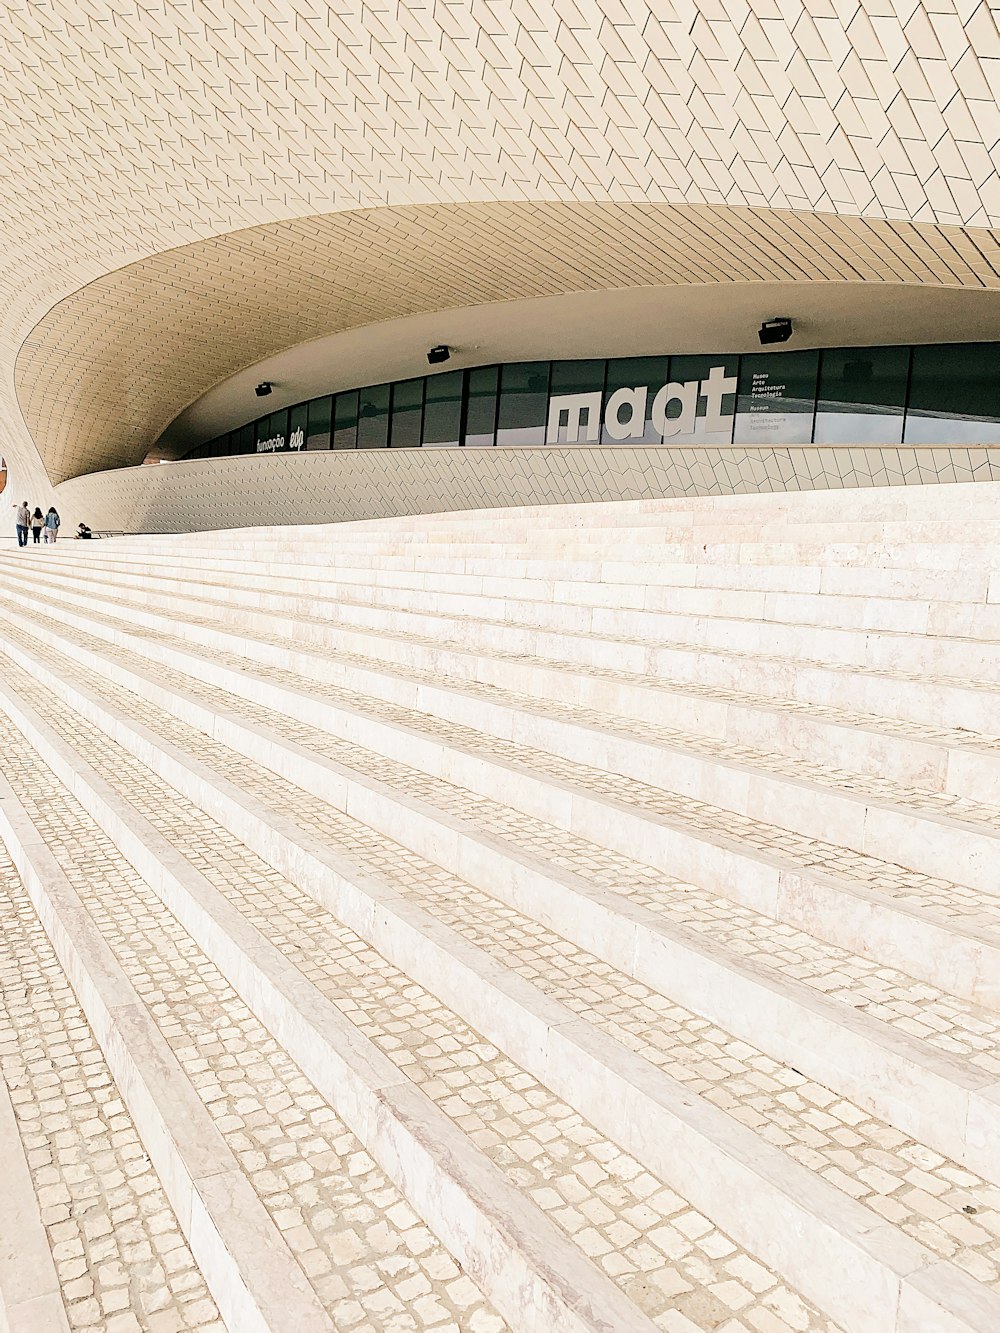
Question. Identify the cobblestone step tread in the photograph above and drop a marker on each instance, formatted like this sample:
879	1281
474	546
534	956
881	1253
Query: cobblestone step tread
854	785
958	908
627	1011
614	644
445	1059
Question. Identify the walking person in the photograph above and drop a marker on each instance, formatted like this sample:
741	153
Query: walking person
37	523
22	520
52	521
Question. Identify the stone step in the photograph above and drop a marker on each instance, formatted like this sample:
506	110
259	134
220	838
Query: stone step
900	1278
839	546
948	1096
576	608
872	904
88	1238
243	1260
450	1067
942	701
624	684
514	1249
954	761
637	586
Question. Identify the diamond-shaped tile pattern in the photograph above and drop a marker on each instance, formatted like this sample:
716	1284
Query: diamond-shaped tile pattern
156	156
328	486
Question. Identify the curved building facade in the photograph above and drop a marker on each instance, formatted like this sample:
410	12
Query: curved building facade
313	198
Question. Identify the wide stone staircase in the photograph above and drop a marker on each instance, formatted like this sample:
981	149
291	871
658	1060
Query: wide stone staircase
557	920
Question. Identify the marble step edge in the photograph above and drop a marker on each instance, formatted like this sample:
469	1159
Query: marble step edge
627	582
822	903
515	601
858	1268
936	1098
926	842
251	1273
974	706
30	1299
534	1275
949	530
646	633
624	583
936	764
932	763
641	698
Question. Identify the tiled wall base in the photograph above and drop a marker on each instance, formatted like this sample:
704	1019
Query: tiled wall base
332	486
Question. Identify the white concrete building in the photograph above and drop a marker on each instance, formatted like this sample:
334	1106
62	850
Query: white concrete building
566	898
313	196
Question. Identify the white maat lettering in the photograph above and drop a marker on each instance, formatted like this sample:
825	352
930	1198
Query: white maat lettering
572	407
634	426
687	395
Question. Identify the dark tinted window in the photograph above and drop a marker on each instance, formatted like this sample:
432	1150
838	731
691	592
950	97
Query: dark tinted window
407	409
954	395
579	423
481	417
373	417
627	378
862	391
318	429
443	408
702	408
345	421
524	389
777	398
298	422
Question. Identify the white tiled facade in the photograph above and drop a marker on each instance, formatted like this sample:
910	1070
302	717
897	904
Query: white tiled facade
192	188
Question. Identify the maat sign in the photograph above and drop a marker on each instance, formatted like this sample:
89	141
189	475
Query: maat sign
577	416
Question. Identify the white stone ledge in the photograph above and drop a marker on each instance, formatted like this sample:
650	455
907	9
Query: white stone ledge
30	1300
925	702
611	635
531	1271
938	1099
252	1275
712	1159
839	910
568	605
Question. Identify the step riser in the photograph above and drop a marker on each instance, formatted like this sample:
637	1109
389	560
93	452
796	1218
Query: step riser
652	531
614	559
891	1075
572	606
533	1275
979	662
814	902
643	1109
241	1255
971	773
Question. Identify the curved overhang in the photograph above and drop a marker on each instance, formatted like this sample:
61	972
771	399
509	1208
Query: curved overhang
104	374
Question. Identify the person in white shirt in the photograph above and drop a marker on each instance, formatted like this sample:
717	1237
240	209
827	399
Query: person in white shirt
22	519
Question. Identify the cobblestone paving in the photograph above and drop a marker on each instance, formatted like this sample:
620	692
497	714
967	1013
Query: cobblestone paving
370	1259
954	736
122	1263
903	1181
917	1008
665	1255
943	900
822	775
